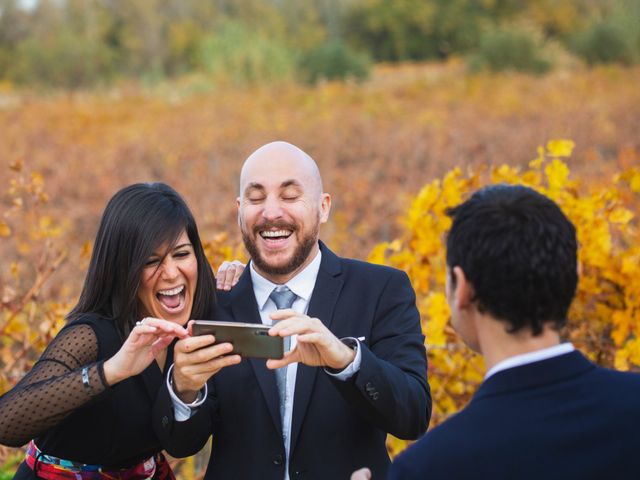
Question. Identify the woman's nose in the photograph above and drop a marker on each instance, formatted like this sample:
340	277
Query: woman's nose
169	269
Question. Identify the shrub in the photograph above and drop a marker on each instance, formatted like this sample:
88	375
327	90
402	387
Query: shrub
236	55
603	320
65	60
608	41
334	60
510	48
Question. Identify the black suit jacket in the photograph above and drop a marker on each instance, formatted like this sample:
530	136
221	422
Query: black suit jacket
561	418
337	426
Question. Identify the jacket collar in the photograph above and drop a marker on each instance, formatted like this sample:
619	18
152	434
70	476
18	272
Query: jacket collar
535	374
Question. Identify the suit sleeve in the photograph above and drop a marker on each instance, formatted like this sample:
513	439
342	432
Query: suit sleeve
391	388
182	439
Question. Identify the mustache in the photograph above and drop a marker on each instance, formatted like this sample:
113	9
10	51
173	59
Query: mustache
279	225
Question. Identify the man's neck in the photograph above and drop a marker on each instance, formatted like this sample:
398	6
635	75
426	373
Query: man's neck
496	344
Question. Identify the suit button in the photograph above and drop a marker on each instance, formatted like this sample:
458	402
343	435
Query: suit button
368	386
165	421
277	460
375	396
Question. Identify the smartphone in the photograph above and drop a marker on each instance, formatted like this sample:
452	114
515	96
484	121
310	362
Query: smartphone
248	339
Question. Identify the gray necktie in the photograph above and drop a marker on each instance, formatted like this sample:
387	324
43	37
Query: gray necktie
283	298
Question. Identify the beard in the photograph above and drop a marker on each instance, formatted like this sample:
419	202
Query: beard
300	254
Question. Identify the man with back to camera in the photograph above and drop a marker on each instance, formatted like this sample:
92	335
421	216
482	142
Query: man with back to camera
543	410
357	365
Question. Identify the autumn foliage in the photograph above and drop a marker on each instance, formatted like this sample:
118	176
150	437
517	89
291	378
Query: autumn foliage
377	144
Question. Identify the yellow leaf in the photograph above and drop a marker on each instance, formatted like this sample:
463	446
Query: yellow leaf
395	245
24	248
620	361
635	183
557	174
536	163
505	174
85	252
630	264
621	322
560	148
45	222
37	178
437	319
621	216
5	230
377	255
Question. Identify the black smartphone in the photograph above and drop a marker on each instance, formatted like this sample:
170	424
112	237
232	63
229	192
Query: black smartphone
248	339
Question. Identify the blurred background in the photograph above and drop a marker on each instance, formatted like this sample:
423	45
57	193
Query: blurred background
387	95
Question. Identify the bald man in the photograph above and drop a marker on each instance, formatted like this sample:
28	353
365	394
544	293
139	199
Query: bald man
357	366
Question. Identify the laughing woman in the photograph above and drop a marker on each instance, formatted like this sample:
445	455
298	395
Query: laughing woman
86	404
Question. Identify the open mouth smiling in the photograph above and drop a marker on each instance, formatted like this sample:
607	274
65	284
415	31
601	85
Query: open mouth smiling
172	299
275	234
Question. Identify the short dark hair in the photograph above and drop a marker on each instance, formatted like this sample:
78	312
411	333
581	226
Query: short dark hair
137	220
519	251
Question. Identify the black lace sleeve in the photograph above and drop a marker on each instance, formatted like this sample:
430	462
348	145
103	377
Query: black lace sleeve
66	376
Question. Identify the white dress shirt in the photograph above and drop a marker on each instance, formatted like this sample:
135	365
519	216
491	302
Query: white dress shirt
302	285
530	357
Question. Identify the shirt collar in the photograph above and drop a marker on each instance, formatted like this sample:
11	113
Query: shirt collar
302	284
530	357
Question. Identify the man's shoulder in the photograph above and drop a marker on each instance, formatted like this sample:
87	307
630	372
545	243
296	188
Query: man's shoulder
362	267
632	378
617	381
438	451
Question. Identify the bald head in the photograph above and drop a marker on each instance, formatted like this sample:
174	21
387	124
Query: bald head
282	157
280	208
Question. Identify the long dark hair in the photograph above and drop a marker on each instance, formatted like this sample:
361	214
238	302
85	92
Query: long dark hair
136	221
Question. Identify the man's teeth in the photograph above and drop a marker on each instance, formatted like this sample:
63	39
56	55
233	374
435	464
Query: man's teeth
276	233
173	291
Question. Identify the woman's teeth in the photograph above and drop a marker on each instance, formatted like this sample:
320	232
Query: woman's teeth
171	292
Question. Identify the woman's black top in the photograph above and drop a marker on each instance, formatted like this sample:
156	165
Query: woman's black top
94	424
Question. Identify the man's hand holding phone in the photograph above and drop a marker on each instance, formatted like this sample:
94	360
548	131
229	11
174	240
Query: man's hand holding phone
316	345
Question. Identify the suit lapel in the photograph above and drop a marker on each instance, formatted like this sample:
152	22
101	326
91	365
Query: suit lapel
245	309
322	304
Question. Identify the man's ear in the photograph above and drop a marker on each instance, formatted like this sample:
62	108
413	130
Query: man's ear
325	207
463	293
